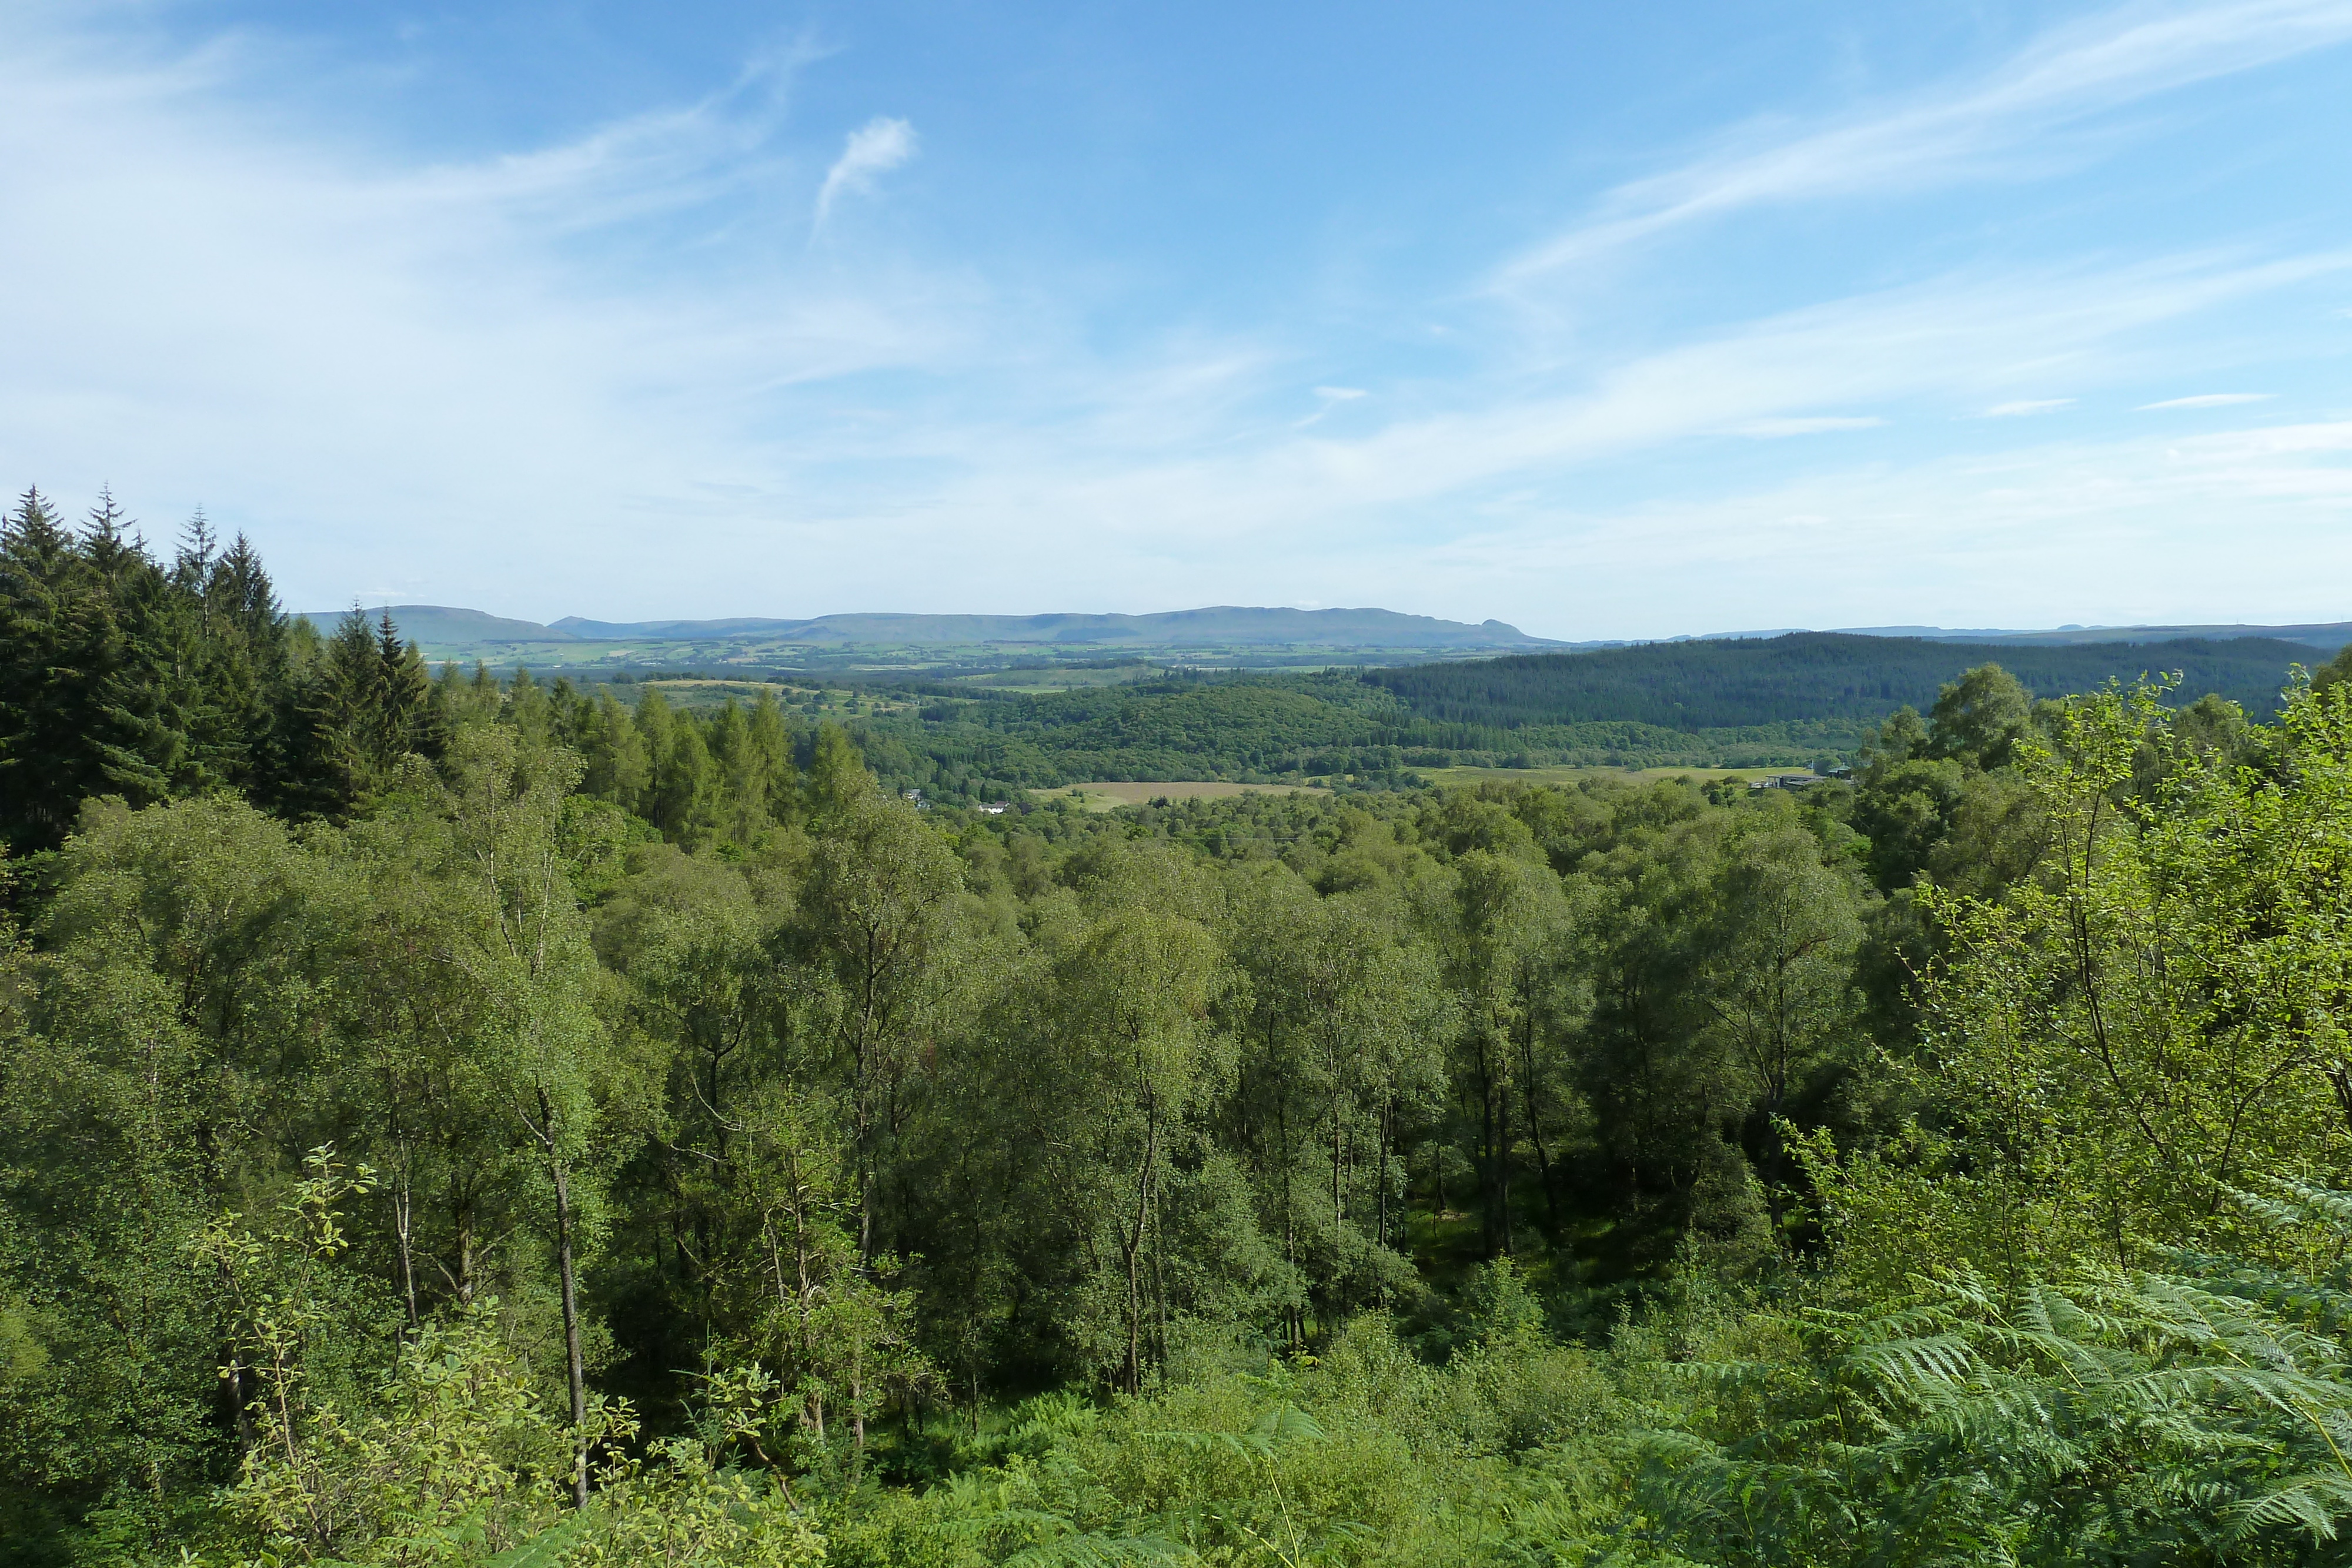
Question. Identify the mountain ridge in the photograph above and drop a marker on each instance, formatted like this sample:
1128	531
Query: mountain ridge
436	625
1210	625
1214	623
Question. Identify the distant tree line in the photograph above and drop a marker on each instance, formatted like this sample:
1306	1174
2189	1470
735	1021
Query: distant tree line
1725	682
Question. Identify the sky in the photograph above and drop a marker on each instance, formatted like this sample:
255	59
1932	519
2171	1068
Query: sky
1604	320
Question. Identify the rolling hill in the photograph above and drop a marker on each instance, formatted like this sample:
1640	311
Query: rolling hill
1218	625
1809	675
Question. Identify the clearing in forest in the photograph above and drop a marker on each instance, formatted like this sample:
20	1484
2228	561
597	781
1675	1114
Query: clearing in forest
1111	796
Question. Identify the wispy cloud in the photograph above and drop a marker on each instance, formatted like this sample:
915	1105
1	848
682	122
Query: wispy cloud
319	339
435	374
1813	425
1955	339
874	149
1973	130
2036	536
2208	400
1332	398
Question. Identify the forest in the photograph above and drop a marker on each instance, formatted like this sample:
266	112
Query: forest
967	739
1727	683
1781	701
447	1119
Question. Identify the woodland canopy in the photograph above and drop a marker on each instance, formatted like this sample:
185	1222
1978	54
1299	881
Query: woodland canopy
454	1119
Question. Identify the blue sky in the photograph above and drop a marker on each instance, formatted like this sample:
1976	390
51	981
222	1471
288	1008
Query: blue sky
1605	320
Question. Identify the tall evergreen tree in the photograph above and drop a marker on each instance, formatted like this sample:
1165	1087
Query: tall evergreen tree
98	685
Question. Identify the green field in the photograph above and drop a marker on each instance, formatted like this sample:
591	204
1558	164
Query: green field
1111	796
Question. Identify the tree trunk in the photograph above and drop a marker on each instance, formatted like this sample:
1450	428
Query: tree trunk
574	1366
1135	1250
1338	1199
1534	1129
1387	1135
403	1213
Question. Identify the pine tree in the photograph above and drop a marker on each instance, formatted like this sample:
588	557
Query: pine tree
100	687
413	722
837	776
237	640
768	784
528	710
614	752
369	705
44	654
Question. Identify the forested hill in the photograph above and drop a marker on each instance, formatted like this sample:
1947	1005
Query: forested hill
1216	625
1775	702
1808	675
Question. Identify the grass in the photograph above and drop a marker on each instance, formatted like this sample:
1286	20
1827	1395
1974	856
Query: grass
1111	796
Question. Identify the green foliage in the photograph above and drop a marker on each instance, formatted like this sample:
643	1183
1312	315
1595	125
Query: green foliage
526	1129
1725	682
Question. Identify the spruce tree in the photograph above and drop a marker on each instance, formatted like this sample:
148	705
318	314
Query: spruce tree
44	674
412	722
372	706
98	686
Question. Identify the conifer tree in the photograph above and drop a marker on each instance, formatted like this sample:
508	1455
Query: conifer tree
837	776
412	722
97	689
237	639
44	674
368	704
614	751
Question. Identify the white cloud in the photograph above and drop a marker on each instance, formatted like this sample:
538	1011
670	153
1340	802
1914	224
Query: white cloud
1332	397
874	149
1813	425
1992	125
1399	501
2208	400
2027	406
392	373
396	375
2076	532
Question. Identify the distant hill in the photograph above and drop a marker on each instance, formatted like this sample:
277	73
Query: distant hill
438	625
1716	685
1222	625
2328	635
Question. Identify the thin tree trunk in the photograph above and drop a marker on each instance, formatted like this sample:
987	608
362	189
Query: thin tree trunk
463	1220
403	1213
1135	1251
1534	1128
574	1364
1339	1201
1387	1135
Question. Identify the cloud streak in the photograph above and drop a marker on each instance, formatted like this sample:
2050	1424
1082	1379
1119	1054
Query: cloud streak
521	381
873	149
1993	125
2205	400
1811	424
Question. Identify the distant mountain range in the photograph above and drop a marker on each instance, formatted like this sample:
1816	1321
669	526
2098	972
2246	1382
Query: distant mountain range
436	625
1222	625
442	629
